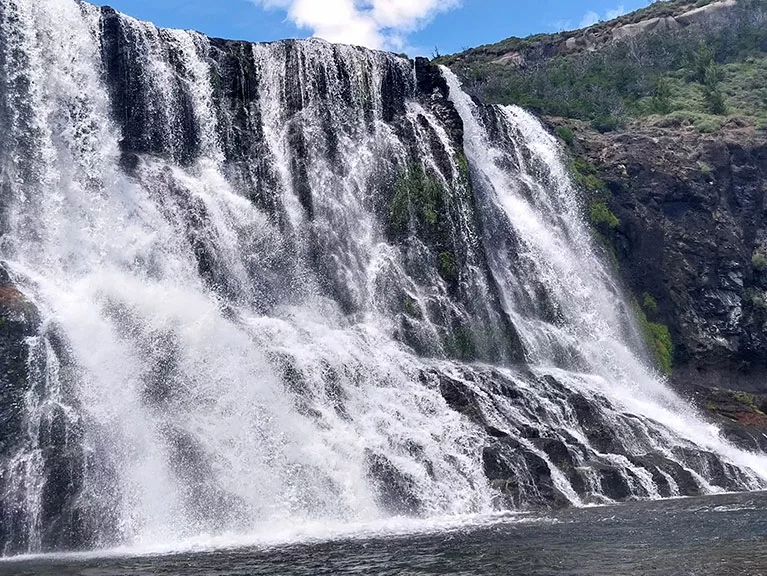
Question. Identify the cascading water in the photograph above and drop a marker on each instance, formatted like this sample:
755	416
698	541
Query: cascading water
249	286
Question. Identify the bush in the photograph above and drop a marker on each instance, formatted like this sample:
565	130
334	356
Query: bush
605	124
702	60
657	337
759	260
697	69
705	126
586	175
649	304
566	135
447	266
757	298
601	217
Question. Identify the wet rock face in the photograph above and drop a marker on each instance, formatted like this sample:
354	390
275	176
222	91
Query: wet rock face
46	446
590	452
19	320
395	490
522	477
693	213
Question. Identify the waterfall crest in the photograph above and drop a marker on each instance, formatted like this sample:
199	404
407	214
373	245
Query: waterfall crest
246	286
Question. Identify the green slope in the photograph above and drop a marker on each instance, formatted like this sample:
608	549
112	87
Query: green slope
706	71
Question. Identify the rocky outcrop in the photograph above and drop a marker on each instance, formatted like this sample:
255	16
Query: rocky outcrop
532	463
661	17
692	211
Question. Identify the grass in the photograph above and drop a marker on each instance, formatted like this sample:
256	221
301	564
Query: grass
566	135
747	399
657	337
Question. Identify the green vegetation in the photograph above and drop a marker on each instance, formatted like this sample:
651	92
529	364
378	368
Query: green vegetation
447	266
747	399
759	260
661	97
566	135
656	335
659	338
601	217
416	194
649	305
411	307
586	175
757	298
707	74
459	343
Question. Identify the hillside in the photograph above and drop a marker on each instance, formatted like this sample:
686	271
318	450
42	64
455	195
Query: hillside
699	63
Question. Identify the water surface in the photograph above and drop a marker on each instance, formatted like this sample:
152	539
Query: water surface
720	535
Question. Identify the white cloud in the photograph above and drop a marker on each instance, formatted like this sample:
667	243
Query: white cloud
589	19
371	23
615	12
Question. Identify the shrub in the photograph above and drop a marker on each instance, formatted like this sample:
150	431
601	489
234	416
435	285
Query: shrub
706	125
447	266
586	175
702	60
747	399
759	260
601	217
715	100
605	124
657	337
566	135
649	304
757	298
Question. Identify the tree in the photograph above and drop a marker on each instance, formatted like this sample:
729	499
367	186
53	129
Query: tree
701	61
661	98
715	100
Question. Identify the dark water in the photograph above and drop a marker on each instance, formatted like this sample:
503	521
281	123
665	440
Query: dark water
720	535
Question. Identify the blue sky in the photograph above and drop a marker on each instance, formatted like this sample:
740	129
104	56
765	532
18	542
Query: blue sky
413	26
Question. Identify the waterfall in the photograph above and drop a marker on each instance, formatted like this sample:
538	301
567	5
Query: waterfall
249	286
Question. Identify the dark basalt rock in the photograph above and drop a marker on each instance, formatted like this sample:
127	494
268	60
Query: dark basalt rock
19	320
205	503
598	432
693	210
395	489
461	398
657	464
561	457
614	484
520	475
